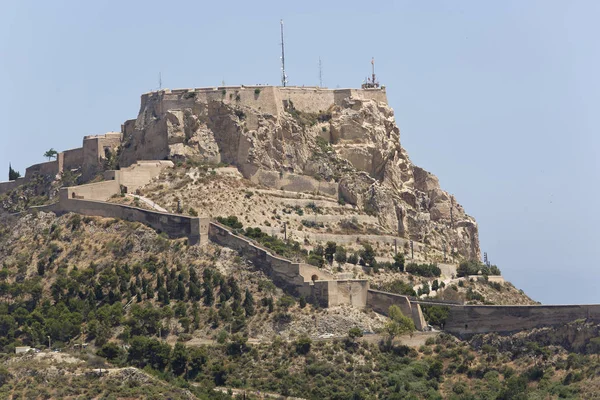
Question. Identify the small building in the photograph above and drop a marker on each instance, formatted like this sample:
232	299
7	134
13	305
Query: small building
22	349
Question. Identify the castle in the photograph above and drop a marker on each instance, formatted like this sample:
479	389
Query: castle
143	153
96	150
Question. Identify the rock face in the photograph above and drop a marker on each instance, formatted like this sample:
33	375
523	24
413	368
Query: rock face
355	144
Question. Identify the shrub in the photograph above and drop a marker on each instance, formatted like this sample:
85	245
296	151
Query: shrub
303	344
257	91
231	221
426	270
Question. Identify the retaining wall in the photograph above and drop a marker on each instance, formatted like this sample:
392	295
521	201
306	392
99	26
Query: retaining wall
381	301
175	226
294	183
47	168
138	174
101	191
465	320
295	278
10	185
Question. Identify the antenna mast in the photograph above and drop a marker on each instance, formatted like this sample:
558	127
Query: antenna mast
159	81
320	73
371	83
373	70
283	75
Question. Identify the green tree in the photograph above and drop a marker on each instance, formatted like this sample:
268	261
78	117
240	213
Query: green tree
51	154
303	344
330	249
249	305
398	264
12	174
593	347
367	255
355	333
398	324
179	359
340	255
353	258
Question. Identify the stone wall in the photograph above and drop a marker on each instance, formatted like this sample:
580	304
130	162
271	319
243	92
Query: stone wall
94	151
138	174
269	99
466	320
71	159
381	301
294	278
100	191
175	226
47	168
294	183
10	185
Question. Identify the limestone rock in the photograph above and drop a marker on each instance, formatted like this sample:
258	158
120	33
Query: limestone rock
355	143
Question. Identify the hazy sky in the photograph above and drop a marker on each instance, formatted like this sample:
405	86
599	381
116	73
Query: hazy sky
498	99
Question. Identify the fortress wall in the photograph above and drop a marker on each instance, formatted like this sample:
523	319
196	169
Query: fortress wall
372	94
138	174
266	100
310	99
283	272
175	226
308	271
72	158
294	183
94	191
94	151
269	100
10	185
483	319
291	276
351	291
47	168
381	301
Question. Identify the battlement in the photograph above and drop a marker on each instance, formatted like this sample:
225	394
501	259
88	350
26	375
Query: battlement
267	99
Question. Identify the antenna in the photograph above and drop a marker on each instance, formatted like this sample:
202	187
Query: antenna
373	70
320	73
159	81
371	83
283	75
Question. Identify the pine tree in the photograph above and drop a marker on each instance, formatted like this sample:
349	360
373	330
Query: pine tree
209	297
249	303
179	359
12	174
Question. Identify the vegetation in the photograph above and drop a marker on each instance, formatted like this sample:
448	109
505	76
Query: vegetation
426	270
467	268
51	154
12	174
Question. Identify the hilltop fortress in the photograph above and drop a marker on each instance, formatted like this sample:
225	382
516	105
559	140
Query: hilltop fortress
341	143
337	144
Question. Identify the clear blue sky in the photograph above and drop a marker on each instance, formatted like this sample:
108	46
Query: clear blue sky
499	99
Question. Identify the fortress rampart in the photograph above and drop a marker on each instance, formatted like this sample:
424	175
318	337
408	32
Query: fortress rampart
466	320
297	278
174	225
268	99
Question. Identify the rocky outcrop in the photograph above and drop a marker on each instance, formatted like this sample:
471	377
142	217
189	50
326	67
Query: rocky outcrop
355	144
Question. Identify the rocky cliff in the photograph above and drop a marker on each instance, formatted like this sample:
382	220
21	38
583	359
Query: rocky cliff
355	144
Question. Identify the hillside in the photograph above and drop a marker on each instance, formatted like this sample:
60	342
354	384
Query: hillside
253	197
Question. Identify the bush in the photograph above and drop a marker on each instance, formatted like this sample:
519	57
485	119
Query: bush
231	221
303	345
426	270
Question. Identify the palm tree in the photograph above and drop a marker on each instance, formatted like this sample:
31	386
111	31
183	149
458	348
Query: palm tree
51	153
